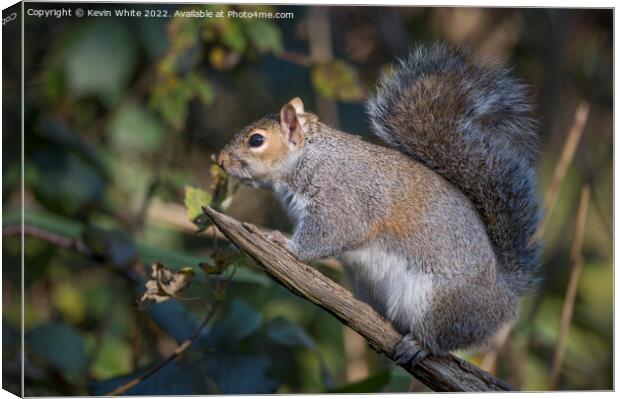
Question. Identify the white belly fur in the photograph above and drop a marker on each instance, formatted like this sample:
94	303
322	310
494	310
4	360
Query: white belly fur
386	282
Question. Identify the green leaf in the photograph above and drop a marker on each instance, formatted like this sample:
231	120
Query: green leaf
175	319
237	374
114	358
374	383
287	333
59	344
133	129
264	35
200	87
337	80
170	98
65	182
232	36
195	199
172	379
399	380
100	59
239	322
116	247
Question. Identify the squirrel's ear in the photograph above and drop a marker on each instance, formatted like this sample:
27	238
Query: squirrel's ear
290	123
298	105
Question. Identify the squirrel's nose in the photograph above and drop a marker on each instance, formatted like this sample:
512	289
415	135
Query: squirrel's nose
222	158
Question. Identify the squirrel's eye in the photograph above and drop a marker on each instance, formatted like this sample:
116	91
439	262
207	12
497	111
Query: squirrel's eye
256	140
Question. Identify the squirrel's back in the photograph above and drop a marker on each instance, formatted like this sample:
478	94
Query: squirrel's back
470	122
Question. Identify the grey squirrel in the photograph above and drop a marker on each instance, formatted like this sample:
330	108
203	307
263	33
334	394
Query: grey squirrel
435	228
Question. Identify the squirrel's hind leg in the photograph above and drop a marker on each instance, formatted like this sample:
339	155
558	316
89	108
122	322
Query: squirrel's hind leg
409	351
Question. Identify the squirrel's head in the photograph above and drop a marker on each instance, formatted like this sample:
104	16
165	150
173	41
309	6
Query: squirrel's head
267	148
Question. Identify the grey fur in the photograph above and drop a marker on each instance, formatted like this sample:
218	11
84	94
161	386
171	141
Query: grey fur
435	279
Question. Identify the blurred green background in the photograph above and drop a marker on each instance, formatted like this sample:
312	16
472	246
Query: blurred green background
123	113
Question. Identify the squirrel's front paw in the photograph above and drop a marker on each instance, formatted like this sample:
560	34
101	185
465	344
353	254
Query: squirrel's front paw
277	237
280	239
408	351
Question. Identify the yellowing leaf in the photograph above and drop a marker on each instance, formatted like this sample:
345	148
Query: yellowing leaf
69	302
219	262
195	199
222	59
337	80
164	283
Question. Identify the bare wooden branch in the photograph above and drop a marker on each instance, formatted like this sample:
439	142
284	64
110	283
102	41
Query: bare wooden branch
439	373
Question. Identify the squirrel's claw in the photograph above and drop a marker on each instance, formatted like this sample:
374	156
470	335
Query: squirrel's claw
280	239
277	237
408	351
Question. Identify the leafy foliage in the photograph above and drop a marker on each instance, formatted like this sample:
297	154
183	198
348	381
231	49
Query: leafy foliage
337	80
59	344
133	129
87	67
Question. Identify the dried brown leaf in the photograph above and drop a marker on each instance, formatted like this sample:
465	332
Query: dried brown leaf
164	283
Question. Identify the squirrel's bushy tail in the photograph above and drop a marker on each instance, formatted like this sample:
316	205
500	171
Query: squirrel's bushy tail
470	122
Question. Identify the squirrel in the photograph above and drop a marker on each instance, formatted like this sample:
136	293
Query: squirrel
435	227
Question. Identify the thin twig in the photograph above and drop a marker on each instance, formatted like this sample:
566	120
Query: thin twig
179	350
489	361
53	238
62	241
571	290
568	152
295	58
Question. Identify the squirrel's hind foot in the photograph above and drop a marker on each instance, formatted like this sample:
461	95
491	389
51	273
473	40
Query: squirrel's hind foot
408	351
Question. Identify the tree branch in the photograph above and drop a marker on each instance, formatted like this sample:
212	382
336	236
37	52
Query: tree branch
439	373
